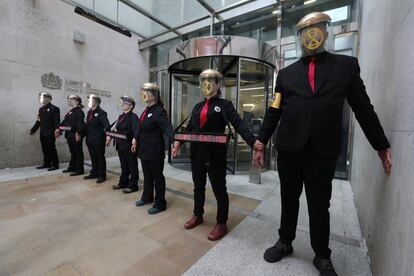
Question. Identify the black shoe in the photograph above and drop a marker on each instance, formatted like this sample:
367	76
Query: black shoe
118	187
324	266
154	210
90	177
54	168
140	203
76	173
278	251
67	170
43	167
129	190
100	179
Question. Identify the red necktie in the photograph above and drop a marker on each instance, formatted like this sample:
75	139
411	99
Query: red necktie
121	118
144	114
90	116
203	114
311	73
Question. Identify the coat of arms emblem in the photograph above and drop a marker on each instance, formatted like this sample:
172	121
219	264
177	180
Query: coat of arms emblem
51	81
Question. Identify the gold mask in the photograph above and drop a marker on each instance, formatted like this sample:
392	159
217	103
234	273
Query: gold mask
313	38
207	88
144	96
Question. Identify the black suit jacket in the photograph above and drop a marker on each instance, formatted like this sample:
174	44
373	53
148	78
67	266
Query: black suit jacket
95	126
216	124
317	117
48	120
150	133
74	119
127	124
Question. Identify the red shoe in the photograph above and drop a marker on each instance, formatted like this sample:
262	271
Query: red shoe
193	222
219	231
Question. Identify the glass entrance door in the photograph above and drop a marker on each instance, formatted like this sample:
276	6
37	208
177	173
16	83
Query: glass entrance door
255	86
247	84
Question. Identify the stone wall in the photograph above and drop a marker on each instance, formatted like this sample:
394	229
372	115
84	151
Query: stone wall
386	203
37	38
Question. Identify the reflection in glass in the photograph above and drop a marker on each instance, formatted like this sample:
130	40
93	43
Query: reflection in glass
137	22
173	12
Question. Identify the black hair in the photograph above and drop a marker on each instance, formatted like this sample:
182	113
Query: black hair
80	102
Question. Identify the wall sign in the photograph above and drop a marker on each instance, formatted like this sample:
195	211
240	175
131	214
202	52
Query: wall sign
51	81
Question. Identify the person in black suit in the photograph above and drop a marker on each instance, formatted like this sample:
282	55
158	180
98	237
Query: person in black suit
126	126
308	101
48	120
72	123
212	116
149	140
94	130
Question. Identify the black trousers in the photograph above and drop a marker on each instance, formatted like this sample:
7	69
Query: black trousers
50	157
317	173
215	167
97	154
154	178
129	169
76	155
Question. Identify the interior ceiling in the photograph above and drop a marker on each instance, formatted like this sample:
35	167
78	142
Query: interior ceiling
158	20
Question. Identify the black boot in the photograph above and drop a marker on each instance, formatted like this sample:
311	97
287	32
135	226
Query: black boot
324	266
68	170
278	251
90	176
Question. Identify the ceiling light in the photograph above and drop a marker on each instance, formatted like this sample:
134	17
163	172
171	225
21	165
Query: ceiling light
309	2
92	17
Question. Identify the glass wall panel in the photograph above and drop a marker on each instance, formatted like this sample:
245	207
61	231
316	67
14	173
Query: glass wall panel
85	3
137	22
107	8
256	80
173	12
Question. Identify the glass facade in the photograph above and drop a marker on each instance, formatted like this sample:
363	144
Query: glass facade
274	24
165	23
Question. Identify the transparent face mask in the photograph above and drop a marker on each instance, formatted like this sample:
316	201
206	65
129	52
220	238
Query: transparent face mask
92	102
144	96
124	105
314	39
209	87
72	103
148	96
43	99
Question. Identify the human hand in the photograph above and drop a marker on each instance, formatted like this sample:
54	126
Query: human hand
78	137
385	156
176	148
57	133
108	140
258	146
258	159
134	148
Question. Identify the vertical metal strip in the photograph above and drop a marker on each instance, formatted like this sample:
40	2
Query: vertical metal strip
236	135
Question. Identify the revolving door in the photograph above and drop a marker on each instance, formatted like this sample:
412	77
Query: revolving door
248	83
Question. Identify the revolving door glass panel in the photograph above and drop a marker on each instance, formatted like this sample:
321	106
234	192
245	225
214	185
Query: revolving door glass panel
186	93
255	84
